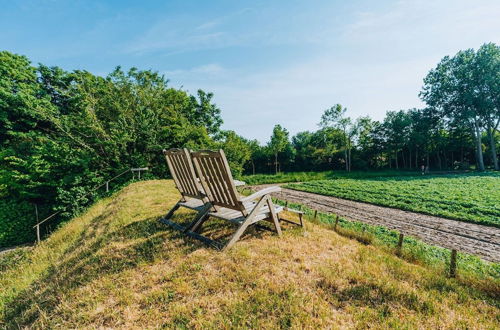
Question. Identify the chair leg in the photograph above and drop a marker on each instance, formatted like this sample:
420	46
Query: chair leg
200	218
236	236
248	221
172	210
276	221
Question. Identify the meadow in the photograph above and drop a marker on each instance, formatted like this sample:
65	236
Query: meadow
469	197
116	266
286	177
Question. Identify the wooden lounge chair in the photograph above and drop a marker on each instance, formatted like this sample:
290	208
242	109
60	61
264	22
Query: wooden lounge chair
219	187
192	193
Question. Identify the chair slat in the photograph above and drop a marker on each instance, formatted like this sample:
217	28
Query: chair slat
186	187
217	179
183	173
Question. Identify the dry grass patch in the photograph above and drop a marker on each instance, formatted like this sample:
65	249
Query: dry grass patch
116	266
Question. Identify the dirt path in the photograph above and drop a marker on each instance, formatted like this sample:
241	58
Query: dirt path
479	240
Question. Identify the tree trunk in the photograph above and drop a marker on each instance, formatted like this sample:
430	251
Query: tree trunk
409	158
346	160
253	167
349	159
493	148
397	164
416	158
479	149
276	163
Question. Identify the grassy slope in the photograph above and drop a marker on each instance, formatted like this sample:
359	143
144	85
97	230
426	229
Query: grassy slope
115	266
466	197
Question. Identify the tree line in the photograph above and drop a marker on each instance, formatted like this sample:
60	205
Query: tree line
457	130
64	132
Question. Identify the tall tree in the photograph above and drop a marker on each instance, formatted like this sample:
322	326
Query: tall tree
335	117
487	75
464	88
278	143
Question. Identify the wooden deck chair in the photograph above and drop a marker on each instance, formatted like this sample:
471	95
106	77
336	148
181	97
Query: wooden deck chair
192	193
218	184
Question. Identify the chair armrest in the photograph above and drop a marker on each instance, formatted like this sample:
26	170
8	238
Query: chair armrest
261	193
239	183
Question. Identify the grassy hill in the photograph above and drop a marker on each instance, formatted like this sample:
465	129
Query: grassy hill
116	266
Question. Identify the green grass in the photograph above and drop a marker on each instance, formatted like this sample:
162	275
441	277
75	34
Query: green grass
324	175
116	266
466	197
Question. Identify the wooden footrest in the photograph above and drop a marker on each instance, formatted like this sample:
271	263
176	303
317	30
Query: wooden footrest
300	213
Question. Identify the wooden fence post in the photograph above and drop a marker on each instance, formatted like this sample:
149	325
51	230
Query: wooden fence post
453	263
107	186
315	214
336	222
38	233
37	226
400	244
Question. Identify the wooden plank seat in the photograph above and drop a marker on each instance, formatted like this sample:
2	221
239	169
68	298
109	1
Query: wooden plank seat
192	204
237	217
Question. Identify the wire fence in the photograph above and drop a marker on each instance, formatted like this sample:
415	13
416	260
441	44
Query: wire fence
105	184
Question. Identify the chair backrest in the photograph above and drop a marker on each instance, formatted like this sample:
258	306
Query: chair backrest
182	170
216	178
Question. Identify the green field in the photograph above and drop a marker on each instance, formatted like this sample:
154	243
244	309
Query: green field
465	197
323	175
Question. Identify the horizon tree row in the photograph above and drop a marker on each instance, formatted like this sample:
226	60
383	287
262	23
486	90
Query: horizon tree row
459	126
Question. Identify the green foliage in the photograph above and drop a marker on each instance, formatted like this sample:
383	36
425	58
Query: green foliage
237	150
465	197
16	222
63	133
465	90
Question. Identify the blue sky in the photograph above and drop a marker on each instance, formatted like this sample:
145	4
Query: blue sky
267	62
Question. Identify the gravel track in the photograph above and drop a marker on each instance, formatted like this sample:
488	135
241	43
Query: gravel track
483	241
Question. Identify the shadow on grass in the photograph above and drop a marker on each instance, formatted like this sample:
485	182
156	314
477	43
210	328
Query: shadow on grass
107	252
102	251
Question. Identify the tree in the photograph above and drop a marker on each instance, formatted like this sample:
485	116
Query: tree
335	117
278	143
255	152
487	75
237	150
464	89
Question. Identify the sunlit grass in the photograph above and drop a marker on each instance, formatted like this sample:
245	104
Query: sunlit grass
116	266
